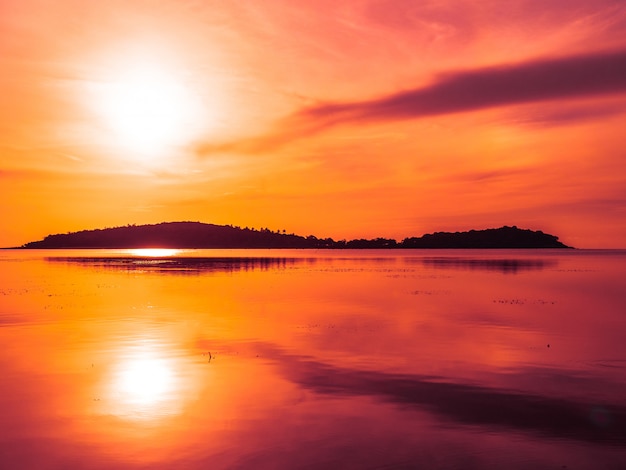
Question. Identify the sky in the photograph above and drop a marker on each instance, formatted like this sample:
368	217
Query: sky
352	119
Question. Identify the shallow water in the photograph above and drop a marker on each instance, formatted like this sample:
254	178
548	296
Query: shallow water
313	359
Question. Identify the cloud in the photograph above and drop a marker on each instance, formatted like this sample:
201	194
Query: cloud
544	116
533	81
456	92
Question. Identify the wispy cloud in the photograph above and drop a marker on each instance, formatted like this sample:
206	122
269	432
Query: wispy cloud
560	115
485	88
69	156
539	80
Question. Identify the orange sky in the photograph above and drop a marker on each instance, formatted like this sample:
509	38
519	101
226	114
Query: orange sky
359	118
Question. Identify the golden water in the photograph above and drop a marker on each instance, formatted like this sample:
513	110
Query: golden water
312	359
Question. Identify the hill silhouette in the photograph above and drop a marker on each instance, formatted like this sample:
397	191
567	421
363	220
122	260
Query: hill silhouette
202	235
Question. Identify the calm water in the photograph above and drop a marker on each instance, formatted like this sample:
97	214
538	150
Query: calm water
313	359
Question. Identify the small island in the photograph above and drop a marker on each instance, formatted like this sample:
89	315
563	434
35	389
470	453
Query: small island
203	235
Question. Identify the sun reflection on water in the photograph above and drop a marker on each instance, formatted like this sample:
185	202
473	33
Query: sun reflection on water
155	252
145	384
145	380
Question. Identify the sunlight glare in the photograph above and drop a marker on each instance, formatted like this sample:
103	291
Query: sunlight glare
154	252
149	108
145	380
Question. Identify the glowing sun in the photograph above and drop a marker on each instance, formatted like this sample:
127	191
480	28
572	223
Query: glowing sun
148	108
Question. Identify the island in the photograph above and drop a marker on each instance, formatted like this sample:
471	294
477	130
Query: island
203	235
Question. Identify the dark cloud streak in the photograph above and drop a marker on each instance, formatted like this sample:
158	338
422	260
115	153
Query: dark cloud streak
491	87
455	92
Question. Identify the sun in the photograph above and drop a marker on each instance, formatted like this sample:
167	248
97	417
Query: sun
147	108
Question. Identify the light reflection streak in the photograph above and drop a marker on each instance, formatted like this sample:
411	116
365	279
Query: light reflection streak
154	252
145	380
145	384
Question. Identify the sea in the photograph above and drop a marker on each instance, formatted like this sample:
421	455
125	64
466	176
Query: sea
312	359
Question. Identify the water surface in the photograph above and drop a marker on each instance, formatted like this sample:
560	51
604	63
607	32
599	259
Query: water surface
312	359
